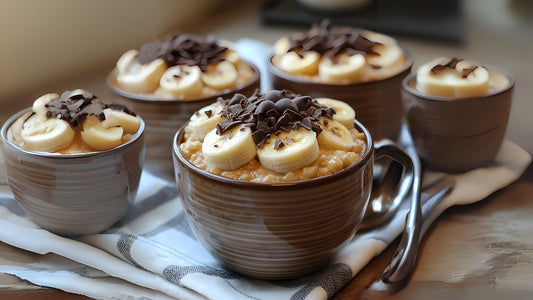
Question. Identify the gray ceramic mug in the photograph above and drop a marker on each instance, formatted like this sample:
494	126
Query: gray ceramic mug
74	194
457	134
285	230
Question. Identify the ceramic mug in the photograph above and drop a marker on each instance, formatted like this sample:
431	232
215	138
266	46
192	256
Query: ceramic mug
457	134
283	230
74	194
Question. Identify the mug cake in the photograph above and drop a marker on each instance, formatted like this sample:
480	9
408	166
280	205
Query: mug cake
457	111
276	184
360	67
73	162
167	80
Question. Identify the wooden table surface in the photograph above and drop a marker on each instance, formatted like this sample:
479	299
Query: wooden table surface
478	251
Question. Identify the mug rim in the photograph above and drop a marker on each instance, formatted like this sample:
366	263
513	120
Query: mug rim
14	117
159	100
297	79
407	88
363	160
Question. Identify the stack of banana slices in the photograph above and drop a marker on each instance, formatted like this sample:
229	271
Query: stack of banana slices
350	65
48	129
452	77
177	81
285	132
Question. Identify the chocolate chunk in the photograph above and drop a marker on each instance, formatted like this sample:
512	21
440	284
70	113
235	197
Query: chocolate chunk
265	106
303	102
274	95
237	98
278	144
208	113
284	104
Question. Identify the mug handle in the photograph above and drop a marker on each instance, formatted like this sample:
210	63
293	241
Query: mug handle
389	149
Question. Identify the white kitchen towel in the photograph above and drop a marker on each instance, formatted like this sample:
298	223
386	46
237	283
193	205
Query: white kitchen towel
152	254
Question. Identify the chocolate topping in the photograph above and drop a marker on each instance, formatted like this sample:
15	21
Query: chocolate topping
75	106
331	40
271	113
451	66
183	49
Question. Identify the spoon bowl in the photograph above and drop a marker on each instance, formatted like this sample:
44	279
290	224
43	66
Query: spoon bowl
388	192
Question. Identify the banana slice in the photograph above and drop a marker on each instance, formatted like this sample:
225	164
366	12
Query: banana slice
182	80
300	148
342	67
220	76
450	82
230	54
230	150
135	77
98	137
334	135
282	45
233	57
344	113
205	120
390	55
114	118
50	135
39	105
305	63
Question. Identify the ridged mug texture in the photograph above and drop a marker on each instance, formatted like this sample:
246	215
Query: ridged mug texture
74	194
274	230
457	135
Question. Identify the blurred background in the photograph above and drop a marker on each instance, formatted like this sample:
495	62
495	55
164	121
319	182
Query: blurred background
53	45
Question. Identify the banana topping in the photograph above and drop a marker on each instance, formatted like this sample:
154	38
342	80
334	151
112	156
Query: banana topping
283	131
334	54
181	66
54	125
445	77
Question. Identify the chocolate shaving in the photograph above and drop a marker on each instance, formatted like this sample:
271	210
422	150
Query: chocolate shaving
75	106
183	49
278	144
329	40
272	113
208	113
451	65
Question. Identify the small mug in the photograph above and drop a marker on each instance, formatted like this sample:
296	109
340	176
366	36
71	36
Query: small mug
74	194
457	134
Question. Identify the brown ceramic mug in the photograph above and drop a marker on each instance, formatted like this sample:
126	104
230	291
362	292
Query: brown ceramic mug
377	104
457	134
163	116
74	194
279	230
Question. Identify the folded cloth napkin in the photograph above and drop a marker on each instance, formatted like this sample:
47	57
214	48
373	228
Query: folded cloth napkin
152	254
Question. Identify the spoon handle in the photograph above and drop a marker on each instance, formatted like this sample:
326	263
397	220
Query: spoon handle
404	258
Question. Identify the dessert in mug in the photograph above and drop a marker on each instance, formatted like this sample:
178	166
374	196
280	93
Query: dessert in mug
278	136
339	55
458	78
75	122
182	66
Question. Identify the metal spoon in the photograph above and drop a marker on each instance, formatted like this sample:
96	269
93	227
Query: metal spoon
387	193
